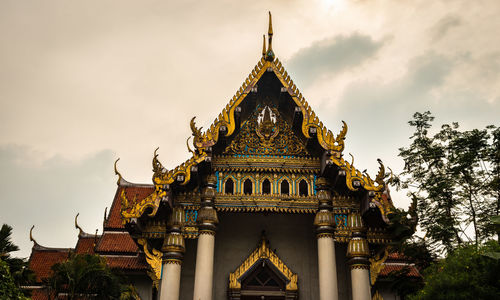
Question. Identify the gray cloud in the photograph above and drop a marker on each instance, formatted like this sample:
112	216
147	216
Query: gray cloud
443	26
48	193
377	114
331	55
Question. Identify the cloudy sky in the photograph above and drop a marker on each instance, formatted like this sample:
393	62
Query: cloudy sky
85	82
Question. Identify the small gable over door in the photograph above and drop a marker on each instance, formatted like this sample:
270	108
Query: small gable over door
263	276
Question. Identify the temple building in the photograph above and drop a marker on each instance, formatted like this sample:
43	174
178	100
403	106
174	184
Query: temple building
267	207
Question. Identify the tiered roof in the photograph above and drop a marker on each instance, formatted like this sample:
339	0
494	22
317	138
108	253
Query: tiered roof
226	124
115	245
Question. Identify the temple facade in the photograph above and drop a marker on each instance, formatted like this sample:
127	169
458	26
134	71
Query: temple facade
267	207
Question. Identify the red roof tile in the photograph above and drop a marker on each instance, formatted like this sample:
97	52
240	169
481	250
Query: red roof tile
41	260
118	242
126	262
139	192
39	294
397	256
388	268
86	244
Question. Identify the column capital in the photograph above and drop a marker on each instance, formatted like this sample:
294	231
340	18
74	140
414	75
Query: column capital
173	247
324	221
357	249
207	215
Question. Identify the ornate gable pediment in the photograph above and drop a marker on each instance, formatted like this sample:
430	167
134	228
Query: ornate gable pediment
266	133
263	252
260	139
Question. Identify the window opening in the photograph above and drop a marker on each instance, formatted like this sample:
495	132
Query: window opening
266	187
229	187
285	188
247	187
303	188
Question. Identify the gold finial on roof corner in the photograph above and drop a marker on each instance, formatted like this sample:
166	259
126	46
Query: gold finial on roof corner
270	30
269	52
105	213
78	226
187	144
31	235
264	45
118	173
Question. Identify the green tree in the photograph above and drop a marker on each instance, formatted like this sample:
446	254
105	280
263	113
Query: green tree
453	176
18	267
85	276
8	288
465	273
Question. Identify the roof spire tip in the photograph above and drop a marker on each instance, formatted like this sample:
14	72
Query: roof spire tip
118	173
78	226
264	45
31	235
269	53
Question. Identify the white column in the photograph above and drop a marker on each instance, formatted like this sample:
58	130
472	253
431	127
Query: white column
207	224
173	252
358	254
360	281
325	229
203	280
170	281
327	268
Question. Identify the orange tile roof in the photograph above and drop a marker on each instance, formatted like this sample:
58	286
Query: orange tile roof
118	242
396	267
41	260
114	219
86	244
397	256
39	294
127	262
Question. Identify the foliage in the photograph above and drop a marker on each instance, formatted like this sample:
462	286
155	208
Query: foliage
453	176
129	292
83	276
402	226
464	274
17	267
8	288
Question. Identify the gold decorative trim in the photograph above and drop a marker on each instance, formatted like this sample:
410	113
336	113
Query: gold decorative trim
136	210
311	126
173	261
254	163
377	296
209	232
181	173
359	266
154	260
263	252
325	235
267	209
376	265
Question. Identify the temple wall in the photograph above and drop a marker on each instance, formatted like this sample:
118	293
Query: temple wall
188	270
293	237
142	284
343	272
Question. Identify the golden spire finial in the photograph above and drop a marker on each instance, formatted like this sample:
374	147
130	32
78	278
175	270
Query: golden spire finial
270	31
31	235
118	173
270	53
105	213
77	226
264	45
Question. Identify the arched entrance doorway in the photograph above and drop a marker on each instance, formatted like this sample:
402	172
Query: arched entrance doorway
263	276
